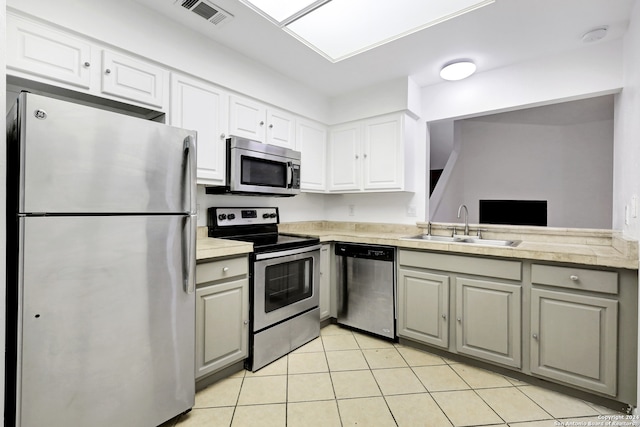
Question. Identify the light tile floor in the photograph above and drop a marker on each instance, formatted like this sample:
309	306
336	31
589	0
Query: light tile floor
344	378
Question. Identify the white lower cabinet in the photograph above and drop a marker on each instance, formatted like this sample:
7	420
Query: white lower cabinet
488	320
423	298
325	282
466	298
574	335
222	314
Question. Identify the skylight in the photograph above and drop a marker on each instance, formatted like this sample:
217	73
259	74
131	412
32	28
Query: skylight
339	29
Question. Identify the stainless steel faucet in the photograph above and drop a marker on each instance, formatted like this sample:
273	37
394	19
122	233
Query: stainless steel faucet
466	218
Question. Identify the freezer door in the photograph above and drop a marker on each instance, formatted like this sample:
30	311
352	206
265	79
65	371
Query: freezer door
75	158
107	328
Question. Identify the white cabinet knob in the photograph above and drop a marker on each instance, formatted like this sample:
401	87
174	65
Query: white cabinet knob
223	136
225	269
246	322
271	126
87	64
573	277
261	123
357	157
107	71
535	336
459	319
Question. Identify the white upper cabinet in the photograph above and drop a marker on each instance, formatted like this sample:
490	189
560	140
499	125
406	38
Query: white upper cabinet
311	141
382	153
345	161
202	107
371	155
281	128
132	79
253	120
247	118
48	55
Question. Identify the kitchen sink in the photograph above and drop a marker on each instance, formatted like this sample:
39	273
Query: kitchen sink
465	239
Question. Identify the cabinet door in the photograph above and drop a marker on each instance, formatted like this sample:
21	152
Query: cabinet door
222	314
345	163
281	129
488	320
247	118
423	307
325	282
574	339
47	53
202	107
311	141
132	79
383	153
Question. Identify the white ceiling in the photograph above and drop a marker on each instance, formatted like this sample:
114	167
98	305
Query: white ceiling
497	35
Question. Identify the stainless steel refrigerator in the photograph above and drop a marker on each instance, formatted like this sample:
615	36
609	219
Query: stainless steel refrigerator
101	232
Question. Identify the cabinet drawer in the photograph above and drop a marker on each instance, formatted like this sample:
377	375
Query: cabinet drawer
503	269
222	269
575	278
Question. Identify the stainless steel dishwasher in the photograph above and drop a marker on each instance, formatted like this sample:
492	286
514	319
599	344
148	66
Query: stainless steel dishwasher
366	288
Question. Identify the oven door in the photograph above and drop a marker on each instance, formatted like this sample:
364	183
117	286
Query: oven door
262	172
285	284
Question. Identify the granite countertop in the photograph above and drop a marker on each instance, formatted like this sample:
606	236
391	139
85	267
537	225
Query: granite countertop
207	247
601	248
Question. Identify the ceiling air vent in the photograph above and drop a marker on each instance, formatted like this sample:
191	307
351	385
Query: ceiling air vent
206	10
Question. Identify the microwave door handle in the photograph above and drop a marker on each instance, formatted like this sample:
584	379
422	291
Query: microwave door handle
289	174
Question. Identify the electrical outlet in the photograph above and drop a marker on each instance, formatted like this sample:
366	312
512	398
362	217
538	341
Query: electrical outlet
634	206
411	211
352	210
198	209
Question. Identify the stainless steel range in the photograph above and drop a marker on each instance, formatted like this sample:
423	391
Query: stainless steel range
284	275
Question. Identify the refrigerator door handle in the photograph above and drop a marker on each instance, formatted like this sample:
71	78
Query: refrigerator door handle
190	151
190	254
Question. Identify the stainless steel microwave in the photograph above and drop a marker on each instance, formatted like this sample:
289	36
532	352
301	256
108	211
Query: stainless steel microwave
255	168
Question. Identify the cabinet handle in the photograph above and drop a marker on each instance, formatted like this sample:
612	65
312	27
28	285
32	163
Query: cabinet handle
246	322
357	157
87	64
535	336
444	316
261	123
574	277
271	126
365	155
459	319
107	71
225	269
223	136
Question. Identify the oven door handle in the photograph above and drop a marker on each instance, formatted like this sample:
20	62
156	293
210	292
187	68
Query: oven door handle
296	251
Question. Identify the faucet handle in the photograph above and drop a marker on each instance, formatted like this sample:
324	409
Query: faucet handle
453	230
480	230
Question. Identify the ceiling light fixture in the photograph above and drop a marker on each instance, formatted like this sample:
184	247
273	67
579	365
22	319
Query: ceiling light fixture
340	29
595	34
458	70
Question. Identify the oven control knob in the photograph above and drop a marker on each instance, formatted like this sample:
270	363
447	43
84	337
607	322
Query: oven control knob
272	215
231	216
222	217
265	215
